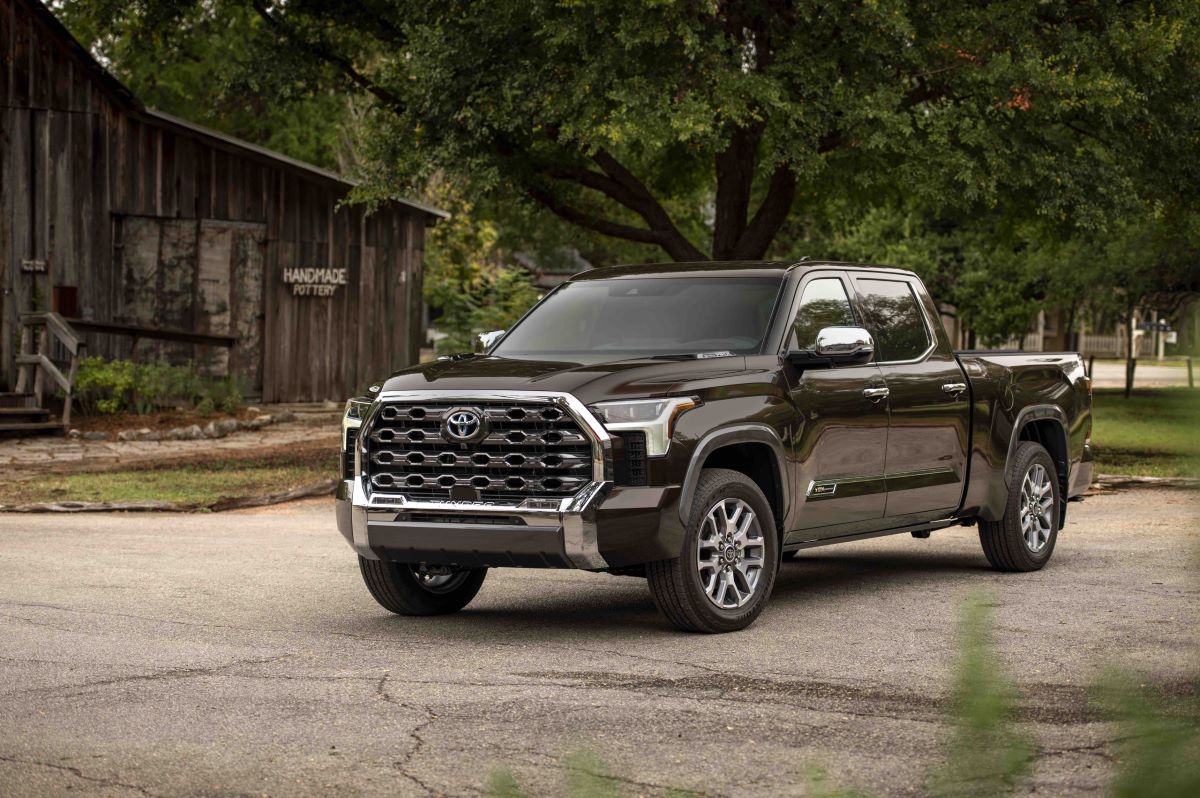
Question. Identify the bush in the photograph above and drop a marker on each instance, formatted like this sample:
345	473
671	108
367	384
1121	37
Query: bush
122	386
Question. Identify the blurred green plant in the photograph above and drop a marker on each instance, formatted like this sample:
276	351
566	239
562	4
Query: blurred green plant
105	387
1159	747
985	753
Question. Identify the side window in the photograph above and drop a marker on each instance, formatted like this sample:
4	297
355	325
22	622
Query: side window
893	316
823	304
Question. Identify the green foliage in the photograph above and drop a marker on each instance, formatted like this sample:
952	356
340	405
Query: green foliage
122	386
698	128
1160	753
465	283
214	64
985	754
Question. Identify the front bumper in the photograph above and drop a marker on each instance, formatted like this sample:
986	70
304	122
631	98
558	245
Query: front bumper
601	528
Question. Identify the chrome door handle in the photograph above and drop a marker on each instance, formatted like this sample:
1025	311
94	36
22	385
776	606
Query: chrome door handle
875	394
954	387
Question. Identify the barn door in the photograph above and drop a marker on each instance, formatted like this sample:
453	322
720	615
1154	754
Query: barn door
196	275
229	296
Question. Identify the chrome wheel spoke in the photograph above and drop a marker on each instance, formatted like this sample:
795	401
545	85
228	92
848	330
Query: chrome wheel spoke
731	553
1036	507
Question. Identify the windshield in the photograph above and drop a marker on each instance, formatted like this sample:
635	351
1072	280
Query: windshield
625	318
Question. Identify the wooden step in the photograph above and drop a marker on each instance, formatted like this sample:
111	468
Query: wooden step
16	399
22	411
30	426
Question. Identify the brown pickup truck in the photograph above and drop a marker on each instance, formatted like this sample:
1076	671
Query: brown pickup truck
694	424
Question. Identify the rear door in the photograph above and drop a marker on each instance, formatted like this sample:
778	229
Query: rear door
929	400
842	430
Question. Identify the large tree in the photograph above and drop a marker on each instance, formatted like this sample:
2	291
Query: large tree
700	126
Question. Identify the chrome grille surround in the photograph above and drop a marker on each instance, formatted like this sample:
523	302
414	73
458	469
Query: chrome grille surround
573	512
534	447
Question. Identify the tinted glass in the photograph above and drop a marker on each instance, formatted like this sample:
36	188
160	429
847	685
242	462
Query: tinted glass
823	304
595	320
893	316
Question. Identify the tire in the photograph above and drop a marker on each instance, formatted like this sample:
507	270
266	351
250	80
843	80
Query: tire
751	562
1007	544
399	589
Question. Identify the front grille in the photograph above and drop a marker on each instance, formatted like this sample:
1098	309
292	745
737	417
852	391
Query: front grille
531	449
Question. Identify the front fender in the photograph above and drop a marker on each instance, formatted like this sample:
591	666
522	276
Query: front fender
726	436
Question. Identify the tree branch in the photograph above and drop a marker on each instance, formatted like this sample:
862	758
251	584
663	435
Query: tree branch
645	205
587	220
769	217
324	53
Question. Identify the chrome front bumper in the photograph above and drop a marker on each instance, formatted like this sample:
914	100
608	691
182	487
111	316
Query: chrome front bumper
536	531
530	533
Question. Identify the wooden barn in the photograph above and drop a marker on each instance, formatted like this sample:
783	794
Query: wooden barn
148	236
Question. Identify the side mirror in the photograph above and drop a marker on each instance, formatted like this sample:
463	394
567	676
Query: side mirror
484	340
837	346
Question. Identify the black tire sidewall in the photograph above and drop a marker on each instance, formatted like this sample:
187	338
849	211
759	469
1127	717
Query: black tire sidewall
1028	454
398	590
714	486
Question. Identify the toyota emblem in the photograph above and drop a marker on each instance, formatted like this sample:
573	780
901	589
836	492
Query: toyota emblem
463	425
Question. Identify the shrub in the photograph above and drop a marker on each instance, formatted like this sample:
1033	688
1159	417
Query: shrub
117	386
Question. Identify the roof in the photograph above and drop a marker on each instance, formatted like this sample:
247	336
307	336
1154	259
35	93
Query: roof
124	97
738	268
245	146
749	268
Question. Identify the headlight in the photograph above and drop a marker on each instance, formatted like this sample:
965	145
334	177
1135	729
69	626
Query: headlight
357	408
655	417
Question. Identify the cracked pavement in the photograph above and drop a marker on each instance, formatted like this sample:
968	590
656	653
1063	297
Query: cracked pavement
239	654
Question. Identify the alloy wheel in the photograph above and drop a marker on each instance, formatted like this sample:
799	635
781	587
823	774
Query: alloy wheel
1037	506
731	554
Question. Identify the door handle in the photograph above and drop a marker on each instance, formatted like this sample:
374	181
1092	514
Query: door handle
875	394
954	387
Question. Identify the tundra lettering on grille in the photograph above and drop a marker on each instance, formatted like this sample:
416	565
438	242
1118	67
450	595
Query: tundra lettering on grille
482	450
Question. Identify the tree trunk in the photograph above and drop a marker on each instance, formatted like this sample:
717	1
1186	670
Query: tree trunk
1130	360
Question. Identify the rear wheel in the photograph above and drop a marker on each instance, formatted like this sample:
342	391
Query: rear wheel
1024	538
723	577
420	590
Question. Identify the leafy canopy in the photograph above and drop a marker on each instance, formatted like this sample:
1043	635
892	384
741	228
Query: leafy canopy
700	127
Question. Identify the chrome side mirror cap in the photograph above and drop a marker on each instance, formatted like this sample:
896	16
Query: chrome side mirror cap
484	340
836	346
845	344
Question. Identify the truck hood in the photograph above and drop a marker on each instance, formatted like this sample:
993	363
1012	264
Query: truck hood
592	382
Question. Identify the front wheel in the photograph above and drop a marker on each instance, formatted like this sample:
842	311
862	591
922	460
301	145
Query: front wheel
1024	538
418	590
723	577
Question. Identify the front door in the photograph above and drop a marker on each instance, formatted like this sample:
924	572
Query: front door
841	438
928	438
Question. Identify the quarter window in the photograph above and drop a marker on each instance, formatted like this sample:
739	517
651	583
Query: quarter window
823	304
893	316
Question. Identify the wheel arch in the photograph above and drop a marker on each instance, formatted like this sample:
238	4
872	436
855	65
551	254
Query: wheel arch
752	449
1046	425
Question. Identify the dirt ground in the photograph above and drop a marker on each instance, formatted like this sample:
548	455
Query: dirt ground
239	654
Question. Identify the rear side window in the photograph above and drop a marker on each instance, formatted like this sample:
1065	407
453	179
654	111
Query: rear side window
893	316
823	304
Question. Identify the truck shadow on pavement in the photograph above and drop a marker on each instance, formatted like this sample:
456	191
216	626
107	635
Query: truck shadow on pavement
612	608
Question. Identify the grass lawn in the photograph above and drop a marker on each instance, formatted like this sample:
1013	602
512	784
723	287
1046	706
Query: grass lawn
191	484
1156	432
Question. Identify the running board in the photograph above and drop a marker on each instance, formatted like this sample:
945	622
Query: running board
926	527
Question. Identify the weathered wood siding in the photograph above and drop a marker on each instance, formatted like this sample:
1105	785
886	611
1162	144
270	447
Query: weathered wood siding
85	175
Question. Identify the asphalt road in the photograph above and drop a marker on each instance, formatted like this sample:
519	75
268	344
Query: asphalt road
239	654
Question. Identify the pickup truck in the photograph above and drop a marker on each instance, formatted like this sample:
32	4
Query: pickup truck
695	424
